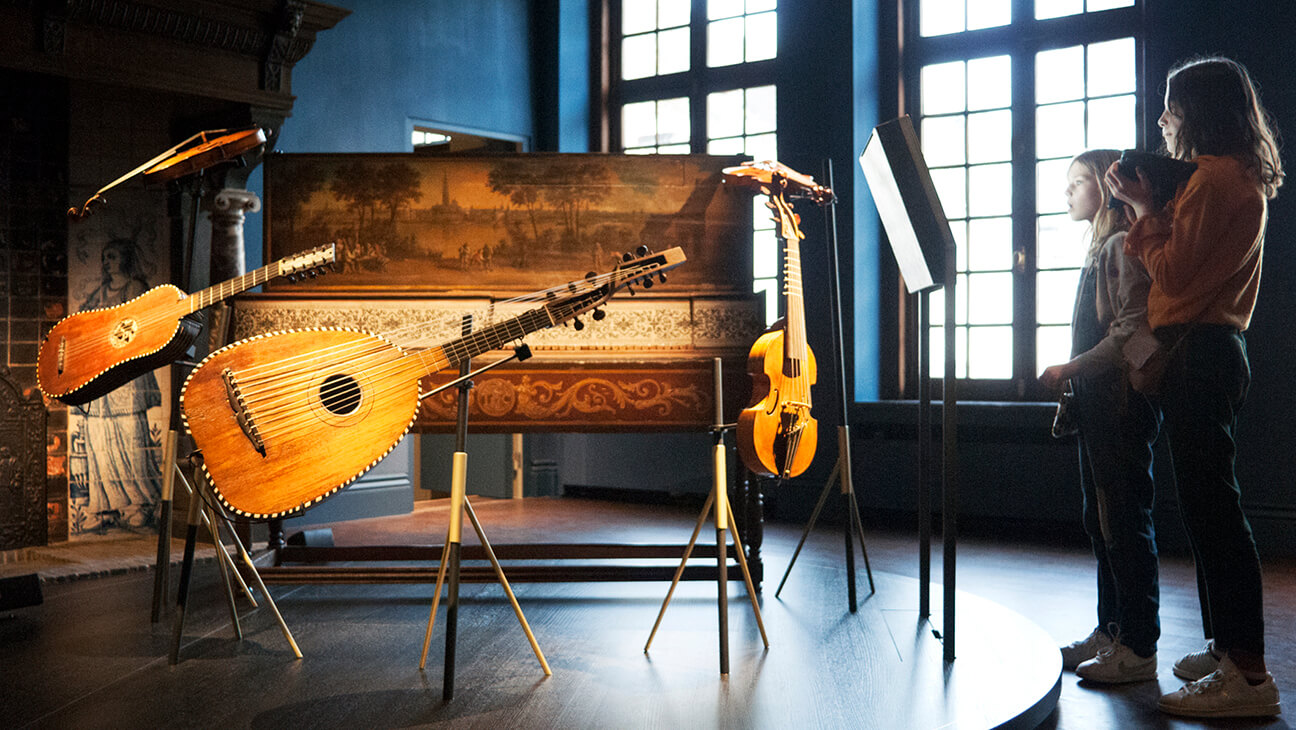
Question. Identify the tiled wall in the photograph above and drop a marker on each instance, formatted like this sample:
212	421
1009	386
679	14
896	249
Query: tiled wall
33	248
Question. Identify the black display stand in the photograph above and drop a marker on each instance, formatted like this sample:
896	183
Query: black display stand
922	243
201	511
459	504
852	527
724	522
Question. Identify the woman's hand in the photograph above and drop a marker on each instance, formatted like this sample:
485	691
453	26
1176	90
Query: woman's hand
1136	194
1055	375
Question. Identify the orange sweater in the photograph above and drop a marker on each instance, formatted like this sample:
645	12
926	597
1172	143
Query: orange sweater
1203	251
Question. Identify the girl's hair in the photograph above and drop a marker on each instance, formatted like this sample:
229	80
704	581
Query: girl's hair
1222	115
1107	220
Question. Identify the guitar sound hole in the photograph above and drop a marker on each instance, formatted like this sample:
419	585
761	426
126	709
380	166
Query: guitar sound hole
340	394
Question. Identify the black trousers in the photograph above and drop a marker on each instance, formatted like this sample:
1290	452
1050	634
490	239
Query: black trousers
1201	393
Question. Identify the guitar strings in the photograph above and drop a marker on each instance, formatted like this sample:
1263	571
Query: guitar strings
98	346
399	360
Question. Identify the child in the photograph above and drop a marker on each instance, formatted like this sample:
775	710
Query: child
1203	251
1117	427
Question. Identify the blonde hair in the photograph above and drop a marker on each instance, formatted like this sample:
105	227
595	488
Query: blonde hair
1107	220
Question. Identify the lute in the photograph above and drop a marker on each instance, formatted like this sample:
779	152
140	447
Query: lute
288	418
90	353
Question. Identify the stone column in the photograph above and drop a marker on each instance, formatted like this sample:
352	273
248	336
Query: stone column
227	213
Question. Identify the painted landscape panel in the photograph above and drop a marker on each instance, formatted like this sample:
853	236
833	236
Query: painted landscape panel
502	223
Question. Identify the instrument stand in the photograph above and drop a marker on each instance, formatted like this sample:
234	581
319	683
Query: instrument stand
724	522
852	527
199	509
450	554
194	187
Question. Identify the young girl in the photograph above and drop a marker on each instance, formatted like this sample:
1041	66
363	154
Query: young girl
1203	252
1117	427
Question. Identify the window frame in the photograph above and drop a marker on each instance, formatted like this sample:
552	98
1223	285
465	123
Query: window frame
693	84
1021	40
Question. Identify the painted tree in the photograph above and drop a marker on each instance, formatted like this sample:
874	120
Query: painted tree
295	184
572	188
353	184
396	185
519	181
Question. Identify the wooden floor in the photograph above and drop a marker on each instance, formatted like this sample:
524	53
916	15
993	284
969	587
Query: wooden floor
89	657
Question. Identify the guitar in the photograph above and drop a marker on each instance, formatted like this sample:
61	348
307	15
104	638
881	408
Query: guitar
90	353
288	418
777	436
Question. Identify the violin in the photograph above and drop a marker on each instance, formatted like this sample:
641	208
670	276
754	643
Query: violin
777	435
200	152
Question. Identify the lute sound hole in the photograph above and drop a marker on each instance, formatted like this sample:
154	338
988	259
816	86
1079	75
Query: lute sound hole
340	394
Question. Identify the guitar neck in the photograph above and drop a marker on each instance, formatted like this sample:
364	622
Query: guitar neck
226	289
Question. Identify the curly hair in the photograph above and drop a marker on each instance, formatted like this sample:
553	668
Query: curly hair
1222	115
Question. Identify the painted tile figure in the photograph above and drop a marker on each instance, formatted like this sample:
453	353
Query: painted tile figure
116	473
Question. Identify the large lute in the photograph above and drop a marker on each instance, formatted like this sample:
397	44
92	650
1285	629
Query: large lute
90	353
286	419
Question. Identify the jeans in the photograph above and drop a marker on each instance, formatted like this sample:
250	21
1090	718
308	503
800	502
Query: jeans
1204	387
1117	429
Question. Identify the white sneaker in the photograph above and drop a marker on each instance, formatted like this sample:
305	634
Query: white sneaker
1078	652
1118	664
1198	664
1224	693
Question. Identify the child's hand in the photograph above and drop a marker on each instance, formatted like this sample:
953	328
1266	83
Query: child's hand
1136	194
1054	376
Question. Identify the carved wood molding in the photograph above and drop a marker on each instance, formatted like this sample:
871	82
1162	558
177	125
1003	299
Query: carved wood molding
242	50
632	396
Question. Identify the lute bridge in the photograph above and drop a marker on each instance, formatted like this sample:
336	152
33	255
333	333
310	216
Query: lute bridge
241	413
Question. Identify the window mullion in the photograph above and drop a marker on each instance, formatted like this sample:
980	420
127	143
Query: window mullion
698	76
1024	206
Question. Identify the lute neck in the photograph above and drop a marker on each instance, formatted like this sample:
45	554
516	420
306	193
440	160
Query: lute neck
490	337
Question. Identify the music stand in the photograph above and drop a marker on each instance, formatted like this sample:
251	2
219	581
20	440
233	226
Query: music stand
922	243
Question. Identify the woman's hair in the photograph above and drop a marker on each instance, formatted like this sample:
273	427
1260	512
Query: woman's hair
130	258
1107	220
1222	115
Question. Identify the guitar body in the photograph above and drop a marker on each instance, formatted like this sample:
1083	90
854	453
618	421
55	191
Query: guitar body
774	425
321	407
90	353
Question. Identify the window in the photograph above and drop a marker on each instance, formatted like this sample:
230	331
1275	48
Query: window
1002	104
697	77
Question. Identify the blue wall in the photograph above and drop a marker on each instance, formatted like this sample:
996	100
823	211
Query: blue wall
865	100
465	65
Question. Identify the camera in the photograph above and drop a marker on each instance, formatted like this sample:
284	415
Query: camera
1163	173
